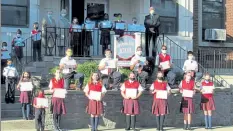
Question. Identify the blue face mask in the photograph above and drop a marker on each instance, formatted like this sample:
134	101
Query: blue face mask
49	15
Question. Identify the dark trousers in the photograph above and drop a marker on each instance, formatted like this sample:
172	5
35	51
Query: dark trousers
37	49
40	118
56	121
3	64
114	78
154	46
76	76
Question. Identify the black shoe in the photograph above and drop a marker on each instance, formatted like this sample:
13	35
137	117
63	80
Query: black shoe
127	129
189	128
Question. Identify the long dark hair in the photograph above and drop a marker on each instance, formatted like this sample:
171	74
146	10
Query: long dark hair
29	75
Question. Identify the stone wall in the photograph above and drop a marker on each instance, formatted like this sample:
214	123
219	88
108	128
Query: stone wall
76	117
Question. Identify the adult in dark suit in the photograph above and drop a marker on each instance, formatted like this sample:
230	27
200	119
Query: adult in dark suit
152	23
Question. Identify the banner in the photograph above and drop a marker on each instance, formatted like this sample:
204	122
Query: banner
125	50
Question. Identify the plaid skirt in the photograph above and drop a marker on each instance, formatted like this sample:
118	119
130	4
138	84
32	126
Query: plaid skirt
187	105
58	106
160	107
131	107
25	97
95	107
207	104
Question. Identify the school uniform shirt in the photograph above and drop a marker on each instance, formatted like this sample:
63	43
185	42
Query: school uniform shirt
160	106
95	87
209	84
159	86
134	59
162	58
75	28
187	85
190	65
5	54
131	85
95	107
106	70
10	71
58	104
68	62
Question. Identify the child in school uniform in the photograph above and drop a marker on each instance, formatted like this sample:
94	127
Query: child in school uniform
58	105
207	101
187	104
39	112
130	103
95	105
25	96
160	105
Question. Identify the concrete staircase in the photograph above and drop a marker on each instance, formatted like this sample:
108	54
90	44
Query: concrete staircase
228	79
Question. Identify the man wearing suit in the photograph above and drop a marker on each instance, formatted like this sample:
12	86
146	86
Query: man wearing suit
152	23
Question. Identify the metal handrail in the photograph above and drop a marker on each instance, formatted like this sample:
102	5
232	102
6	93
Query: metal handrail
204	70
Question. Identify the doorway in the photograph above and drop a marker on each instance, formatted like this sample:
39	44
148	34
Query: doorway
78	10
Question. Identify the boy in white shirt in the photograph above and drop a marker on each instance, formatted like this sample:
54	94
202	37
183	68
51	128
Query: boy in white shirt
11	76
190	65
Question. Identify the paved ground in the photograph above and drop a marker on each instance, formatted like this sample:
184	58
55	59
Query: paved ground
22	125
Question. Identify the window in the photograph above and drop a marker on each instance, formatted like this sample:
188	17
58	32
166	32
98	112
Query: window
213	15
15	12
168	11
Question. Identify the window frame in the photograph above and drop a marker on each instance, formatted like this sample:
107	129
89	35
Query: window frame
176	21
223	17
27	6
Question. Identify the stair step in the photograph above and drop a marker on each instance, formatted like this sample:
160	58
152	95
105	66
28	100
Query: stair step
17	124
11	113
3	99
15	106
39	64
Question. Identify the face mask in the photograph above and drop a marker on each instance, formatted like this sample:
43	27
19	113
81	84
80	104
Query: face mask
132	79
108	55
164	51
160	78
49	15
69	54
118	18
152	12
18	35
88	21
75	22
139	53
4	47
36	27
188	77
63	15
190	57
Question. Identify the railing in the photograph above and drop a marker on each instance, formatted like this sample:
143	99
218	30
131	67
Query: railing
179	55
84	43
26	57
218	61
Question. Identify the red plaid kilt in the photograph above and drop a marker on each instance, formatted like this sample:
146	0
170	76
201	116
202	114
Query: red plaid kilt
131	107
95	107
160	107
208	105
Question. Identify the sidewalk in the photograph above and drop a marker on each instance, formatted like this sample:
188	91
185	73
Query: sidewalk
166	129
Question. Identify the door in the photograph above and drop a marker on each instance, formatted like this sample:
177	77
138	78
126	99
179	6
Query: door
95	9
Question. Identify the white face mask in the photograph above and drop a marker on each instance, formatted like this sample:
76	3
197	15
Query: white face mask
18	35
139	53
63	15
108	55
164	51
190	57
4	47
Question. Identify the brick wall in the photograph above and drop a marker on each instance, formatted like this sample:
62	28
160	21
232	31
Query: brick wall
195	26
76	117
229	20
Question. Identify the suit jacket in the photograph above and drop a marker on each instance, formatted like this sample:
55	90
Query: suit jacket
153	22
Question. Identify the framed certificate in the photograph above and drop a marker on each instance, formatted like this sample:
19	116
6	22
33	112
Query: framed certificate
94	95
132	93
188	93
143	60
111	64
165	65
26	86
106	24
161	94
77	28
60	93
90	26
42	102
5	55
36	37
208	89
132	27
120	26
